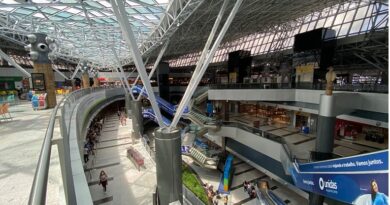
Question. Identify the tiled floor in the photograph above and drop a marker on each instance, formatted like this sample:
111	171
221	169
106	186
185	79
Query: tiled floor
20	145
128	184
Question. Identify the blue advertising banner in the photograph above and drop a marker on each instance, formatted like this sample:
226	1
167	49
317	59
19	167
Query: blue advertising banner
366	162
360	180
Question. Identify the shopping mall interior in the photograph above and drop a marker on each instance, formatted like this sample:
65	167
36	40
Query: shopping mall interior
196	102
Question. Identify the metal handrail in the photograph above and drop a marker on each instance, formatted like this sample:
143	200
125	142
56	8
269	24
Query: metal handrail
39	186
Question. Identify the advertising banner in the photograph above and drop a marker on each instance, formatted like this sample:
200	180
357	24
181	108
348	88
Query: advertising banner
360	180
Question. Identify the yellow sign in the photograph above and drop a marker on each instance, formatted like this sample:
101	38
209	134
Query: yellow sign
305	69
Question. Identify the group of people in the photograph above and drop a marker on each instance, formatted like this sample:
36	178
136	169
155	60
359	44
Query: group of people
214	196
92	137
250	189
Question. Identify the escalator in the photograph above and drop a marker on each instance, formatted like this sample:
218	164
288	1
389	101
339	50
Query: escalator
265	196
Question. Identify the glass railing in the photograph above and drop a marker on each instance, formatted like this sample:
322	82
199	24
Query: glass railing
289	157
361	87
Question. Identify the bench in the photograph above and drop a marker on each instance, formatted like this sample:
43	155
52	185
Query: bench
136	157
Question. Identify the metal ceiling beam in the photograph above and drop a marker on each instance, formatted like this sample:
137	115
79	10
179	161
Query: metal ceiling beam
370	62
12	62
191	89
160	55
122	74
120	13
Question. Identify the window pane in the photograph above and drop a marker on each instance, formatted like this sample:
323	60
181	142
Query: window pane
344	29
366	24
320	23
329	21
339	19
356	26
361	12
304	28
311	26
336	28
349	16
380	20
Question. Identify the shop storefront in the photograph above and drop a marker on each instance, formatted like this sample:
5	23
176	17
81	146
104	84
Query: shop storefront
360	133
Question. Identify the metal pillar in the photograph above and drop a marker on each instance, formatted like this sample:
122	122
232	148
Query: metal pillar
136	116
121	72
121	15
192	86
61	74
85	77
160	55
325	137
168	165
12	62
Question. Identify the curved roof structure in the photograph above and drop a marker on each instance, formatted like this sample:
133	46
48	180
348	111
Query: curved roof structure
88	29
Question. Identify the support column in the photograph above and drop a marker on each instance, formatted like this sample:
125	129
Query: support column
136	116
168	165
325	137
39	54
163	80
85	80
226	110
85	75
73	84
95	80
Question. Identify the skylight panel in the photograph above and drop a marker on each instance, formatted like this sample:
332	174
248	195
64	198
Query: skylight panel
59	7
23	11
142	10
39	15
9	2
140	17
73	10
162	1
105	3
132	3
41	1
96	13
64	14
7	9
49	10
94	4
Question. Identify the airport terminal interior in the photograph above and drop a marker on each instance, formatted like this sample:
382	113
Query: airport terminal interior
195	102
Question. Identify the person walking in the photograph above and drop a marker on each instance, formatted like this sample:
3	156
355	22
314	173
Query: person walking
86	153
103	180
225	200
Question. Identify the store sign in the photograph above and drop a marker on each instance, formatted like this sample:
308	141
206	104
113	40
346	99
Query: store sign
359	180
305	69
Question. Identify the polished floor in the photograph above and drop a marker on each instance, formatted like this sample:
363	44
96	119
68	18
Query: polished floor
20	145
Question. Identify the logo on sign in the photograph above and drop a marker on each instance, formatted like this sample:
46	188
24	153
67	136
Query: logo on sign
327	184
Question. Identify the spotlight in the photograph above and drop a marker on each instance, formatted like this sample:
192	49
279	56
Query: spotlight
32	38
49	40
28	47
34	55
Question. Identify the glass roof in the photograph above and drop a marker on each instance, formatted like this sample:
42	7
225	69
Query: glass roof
87	29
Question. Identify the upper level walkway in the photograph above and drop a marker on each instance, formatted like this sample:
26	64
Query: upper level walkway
126	184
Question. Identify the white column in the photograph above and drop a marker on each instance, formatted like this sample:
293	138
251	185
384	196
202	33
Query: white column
191	88
120	13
